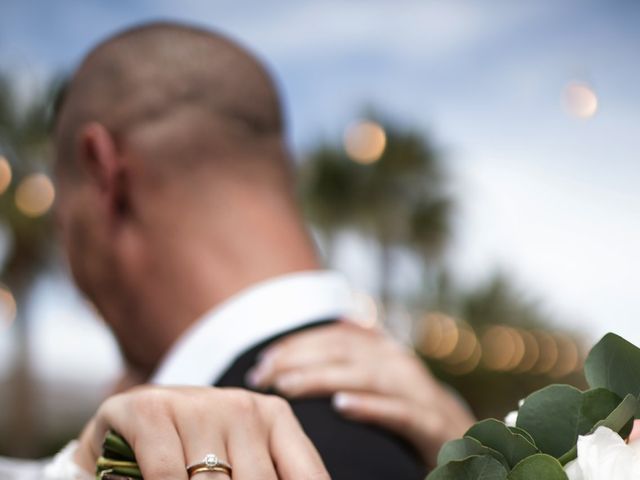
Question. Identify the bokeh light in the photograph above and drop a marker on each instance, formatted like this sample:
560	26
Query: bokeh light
531	352
548	353
568	357
580	100
454	343
467	366
35	195
5	174
7	308
365	141
431	335
466	355
518	349
499	348
464	347
441	336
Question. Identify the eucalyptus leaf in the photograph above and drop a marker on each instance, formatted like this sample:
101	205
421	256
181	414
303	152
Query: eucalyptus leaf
477	467
614	363
556	415
462	448
497	436
620	420
524	433
540	466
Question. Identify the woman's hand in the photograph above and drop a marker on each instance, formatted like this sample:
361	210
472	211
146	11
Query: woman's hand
373	379
170	428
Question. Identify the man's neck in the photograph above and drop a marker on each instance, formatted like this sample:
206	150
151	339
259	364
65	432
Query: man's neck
200	277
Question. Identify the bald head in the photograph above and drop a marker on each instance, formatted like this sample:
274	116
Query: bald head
182	95
175	190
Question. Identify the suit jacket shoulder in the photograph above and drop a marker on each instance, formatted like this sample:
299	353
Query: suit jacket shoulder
350	450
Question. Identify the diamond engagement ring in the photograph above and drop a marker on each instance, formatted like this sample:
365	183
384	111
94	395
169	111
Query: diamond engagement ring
210	463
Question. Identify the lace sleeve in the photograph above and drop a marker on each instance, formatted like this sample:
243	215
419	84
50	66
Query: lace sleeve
62	467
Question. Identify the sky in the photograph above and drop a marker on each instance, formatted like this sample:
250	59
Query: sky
548	198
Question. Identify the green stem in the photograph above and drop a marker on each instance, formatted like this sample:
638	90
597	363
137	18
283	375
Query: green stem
116	444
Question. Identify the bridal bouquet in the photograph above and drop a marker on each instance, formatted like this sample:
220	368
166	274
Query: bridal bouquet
560	432
117	460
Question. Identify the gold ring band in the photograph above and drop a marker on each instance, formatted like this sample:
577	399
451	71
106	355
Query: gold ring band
204	469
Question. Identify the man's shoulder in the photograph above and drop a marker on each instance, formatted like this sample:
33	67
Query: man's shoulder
353	450
350	450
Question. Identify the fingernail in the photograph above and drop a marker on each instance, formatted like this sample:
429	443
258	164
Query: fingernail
252	378
262	369
342	401
265	363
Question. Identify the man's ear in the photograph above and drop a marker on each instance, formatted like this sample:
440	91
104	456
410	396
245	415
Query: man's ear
103	163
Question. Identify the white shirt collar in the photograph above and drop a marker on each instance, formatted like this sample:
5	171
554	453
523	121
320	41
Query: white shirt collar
210	346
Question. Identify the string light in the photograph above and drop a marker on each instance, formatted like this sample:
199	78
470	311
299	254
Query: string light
35	195
467	353
449	335
464	348
580	100
5	174
8	308
568	357
498	348
365	141
432	334
531	352
548	353
518	349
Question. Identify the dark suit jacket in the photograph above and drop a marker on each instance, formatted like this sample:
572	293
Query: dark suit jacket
350	450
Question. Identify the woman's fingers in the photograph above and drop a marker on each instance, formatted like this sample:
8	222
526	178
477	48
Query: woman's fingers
248	439
146	424
279	362
322	380
172	428
333	344
199	435
250	457
388	412
294	455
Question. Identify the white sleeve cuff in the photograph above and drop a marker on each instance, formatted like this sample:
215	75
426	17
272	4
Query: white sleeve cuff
63	467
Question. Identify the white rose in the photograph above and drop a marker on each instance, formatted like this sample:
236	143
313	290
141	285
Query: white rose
603	455
512	417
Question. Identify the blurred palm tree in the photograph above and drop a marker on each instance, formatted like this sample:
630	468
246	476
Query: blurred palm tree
329	193
499	301
25	144
399	199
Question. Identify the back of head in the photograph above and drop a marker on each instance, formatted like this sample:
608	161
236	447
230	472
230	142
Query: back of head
175	182
183	97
